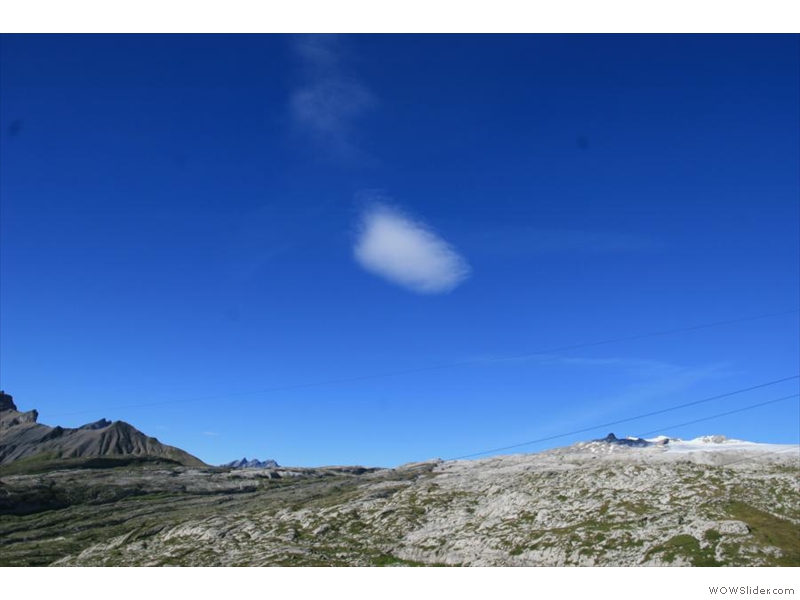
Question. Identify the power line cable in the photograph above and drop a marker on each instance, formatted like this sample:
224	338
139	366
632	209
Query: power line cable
451	365
626	420
794	447
716	416
760	455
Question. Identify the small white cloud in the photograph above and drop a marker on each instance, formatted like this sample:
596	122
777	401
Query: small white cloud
210	433
407	252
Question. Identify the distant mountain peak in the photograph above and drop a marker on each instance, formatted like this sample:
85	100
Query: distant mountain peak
629	441
652	447
243	463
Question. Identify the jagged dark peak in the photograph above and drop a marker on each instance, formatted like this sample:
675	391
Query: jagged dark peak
101	424
243	463
54	433
634	442
6	402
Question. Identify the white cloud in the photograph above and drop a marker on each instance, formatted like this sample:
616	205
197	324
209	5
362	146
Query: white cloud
329	107
330	103
318	50
210	433
407	252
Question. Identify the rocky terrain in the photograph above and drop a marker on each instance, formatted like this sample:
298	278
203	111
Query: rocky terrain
704	502
26	445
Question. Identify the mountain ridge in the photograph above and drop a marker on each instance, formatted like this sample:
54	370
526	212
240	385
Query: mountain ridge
23	441
254	463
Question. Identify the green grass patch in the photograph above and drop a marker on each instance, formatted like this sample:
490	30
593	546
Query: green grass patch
686	546
387	560
46	462
712	536
769	530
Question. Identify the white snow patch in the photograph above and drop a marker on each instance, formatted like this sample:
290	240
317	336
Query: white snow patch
719	443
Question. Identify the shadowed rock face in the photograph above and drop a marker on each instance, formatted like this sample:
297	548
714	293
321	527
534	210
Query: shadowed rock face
632	442
6	402
22	438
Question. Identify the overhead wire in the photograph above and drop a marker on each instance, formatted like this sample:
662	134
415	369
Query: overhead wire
625	420
429	368
718	415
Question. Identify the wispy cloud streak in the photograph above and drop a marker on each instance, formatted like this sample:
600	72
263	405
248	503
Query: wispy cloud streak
328	106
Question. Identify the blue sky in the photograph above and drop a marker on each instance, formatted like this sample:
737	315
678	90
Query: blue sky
191	217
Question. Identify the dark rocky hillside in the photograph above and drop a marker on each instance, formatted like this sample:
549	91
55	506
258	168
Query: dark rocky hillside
26	445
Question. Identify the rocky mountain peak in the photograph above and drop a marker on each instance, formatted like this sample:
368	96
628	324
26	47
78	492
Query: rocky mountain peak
101	424
629	441
6	402
243	463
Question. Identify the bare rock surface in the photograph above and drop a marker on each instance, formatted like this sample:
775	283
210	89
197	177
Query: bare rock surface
701	502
